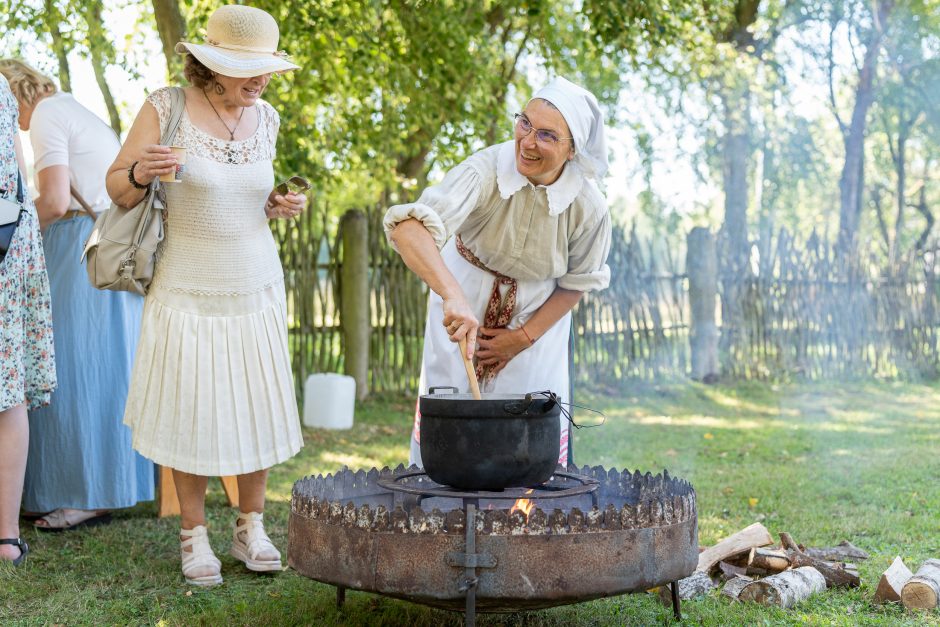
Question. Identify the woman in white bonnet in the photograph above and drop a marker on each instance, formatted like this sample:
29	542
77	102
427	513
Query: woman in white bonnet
211	391
508	242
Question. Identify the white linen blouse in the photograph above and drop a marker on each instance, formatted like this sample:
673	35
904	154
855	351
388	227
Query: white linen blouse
63	132
528	232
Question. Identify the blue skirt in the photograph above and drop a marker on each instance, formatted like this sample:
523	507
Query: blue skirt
80	453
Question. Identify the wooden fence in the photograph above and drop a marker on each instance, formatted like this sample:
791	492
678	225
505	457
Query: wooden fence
806	312
798	311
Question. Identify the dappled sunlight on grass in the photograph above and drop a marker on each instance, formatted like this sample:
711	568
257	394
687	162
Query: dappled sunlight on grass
354	462
710	422
835	427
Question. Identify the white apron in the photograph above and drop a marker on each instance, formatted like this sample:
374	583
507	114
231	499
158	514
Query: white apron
542	366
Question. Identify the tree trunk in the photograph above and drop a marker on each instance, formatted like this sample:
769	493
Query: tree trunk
924	211
702	268
172	29
97	45
60	47
852	180
736	153
900	167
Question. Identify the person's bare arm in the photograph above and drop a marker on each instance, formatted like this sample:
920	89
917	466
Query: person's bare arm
142	146
420	253
54	194
504	344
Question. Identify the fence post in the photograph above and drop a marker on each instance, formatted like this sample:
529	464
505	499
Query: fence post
355	311
702	269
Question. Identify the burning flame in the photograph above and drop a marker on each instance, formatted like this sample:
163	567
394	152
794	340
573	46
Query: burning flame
523	505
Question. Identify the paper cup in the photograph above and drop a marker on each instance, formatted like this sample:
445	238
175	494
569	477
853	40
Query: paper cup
176	176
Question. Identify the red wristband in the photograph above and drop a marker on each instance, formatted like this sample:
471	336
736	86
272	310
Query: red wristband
527	336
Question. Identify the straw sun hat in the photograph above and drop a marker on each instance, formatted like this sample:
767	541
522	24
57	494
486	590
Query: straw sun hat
241	42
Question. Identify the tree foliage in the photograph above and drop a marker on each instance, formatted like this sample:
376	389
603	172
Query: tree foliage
393	91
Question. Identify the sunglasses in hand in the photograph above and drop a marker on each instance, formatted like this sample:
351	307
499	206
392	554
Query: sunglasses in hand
296	184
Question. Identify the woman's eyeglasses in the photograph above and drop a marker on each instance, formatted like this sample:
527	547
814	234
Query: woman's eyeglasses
544	136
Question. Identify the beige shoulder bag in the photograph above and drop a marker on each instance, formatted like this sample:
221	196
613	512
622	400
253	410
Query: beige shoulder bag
121	250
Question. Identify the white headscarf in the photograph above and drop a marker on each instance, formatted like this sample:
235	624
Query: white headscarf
580	109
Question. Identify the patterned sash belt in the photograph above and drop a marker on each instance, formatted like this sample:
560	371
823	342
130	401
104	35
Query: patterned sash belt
498	311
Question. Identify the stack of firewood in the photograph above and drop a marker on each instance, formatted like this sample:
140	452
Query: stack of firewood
748	568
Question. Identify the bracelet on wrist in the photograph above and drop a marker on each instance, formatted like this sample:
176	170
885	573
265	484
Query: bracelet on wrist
130	177
527	336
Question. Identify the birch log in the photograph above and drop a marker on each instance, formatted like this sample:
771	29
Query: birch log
784	589
893	579
695	585
922	591
733	588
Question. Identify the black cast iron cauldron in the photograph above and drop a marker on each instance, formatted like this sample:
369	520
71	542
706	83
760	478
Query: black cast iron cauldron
501	441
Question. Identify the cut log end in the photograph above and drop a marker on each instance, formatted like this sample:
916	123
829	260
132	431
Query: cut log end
922	591
919	596
733	588
892	581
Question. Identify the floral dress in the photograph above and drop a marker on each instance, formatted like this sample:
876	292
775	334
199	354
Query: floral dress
27	360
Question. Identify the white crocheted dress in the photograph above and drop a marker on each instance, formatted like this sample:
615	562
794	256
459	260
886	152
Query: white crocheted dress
211	392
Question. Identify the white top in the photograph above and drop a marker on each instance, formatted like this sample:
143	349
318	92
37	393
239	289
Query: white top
561	231
63	132
217	238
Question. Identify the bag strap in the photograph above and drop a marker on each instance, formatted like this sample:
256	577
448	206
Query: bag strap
177	105
20	193
81	201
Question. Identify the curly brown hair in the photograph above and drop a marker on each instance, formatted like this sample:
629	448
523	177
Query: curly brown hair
198	74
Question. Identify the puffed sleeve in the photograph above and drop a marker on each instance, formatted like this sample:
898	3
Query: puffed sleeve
49	137
442	208
587	257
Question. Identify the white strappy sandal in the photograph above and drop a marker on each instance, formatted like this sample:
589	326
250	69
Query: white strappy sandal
200	558
251	545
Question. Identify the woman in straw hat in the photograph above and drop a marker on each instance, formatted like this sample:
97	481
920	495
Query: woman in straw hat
211	390
512	237
81	464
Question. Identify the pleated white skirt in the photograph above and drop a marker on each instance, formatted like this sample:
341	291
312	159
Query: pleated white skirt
211	392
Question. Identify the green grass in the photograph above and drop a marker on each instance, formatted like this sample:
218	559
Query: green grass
826	462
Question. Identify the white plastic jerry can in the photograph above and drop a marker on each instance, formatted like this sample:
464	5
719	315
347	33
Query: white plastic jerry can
329	401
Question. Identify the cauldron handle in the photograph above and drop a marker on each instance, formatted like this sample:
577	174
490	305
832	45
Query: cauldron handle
471	374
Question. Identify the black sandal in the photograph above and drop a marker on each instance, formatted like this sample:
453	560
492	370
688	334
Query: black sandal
23	547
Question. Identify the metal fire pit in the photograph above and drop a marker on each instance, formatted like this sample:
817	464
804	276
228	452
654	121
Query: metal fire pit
592	533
